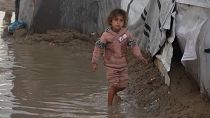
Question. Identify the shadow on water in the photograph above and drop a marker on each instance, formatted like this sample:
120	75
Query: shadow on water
40	80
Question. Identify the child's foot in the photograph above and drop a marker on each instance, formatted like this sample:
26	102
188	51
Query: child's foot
117	99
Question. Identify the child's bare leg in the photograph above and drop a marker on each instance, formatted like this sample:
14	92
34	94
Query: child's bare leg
111	94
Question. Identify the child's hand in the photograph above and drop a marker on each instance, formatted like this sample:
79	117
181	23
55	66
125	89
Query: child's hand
94	67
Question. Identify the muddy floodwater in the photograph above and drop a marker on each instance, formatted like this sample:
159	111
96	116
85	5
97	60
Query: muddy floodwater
41	80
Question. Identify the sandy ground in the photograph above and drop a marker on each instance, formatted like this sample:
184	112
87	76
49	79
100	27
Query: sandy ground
181	100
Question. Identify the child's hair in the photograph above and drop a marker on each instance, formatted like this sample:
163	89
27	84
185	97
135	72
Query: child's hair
114	13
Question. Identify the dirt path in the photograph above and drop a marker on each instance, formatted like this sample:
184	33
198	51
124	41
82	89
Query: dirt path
181	100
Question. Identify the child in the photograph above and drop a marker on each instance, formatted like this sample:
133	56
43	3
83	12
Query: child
115	41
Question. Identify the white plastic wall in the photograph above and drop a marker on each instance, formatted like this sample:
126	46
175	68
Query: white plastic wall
203	50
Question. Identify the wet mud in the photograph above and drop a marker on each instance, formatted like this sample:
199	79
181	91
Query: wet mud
146	85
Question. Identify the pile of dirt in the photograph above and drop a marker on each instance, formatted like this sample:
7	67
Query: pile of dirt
68	38
58	37
180	100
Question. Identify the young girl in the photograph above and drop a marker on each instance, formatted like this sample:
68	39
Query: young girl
115	41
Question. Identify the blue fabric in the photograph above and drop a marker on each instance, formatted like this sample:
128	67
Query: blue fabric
16	25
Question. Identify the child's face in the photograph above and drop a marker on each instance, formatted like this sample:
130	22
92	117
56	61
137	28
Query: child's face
117	23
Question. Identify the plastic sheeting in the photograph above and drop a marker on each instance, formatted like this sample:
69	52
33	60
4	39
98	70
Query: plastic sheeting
136	8
85	16
27	11
192	31
157	16
7	5
189	21
203	47
200	3
155	20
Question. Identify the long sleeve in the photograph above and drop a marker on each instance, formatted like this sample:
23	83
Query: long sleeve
132	44
96	54
99	45
136	51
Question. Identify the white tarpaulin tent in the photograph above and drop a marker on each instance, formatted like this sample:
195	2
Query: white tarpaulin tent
153	22
7	5
189	22
137	7
201	3
204	58
192	33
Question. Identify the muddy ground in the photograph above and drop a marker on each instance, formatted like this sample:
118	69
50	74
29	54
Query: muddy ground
181	100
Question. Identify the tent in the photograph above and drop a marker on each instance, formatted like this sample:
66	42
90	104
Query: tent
83	15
